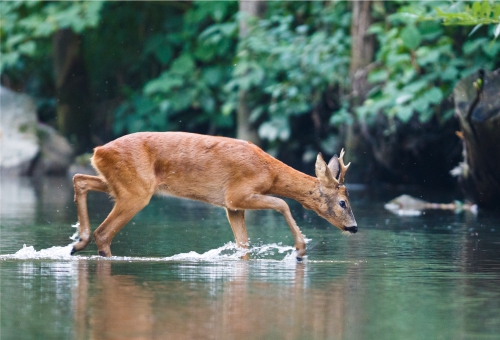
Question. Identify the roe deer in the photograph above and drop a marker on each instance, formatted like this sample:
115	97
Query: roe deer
225	172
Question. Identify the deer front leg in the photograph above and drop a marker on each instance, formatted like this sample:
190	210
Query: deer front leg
259	202
82	185
237	221
122	212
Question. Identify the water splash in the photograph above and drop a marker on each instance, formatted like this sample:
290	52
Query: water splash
76	235
55	253
227	252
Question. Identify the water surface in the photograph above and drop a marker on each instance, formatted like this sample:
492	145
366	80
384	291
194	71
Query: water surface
176	274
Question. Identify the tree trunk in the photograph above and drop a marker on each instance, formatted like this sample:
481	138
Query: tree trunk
245	130
74	113
362	52
477	107
361	49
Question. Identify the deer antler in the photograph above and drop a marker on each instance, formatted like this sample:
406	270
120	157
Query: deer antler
343	169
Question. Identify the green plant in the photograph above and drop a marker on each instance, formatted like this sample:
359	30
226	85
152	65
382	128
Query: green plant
23	24
418	64
196	57
479	13
288	61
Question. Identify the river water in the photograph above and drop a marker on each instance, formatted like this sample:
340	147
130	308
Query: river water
176	274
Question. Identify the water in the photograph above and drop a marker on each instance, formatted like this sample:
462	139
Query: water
176	273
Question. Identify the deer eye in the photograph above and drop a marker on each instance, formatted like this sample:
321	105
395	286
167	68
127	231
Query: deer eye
342	204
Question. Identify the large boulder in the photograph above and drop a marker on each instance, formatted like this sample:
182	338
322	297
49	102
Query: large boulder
18	133
56	153
28	147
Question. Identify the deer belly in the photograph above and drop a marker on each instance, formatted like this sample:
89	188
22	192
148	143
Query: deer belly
205	193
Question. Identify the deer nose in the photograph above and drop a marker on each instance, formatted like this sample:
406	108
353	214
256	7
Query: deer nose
352	230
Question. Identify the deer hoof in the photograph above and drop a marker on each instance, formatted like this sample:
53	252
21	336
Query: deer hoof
103	253
300	253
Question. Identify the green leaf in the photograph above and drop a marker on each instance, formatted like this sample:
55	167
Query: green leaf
492	49
205	52
425	116
397	59
403	98
377	76
183	65
476	9
496	11
277	128
416	86
448	114
420	104
376	28
473	45
228	108
256	114
485	9
434	95
8	59
163	84
404	113
411	37
450	73
430	30
427	56
14	39
27	48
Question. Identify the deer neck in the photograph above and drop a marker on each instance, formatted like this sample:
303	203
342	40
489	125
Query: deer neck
297	186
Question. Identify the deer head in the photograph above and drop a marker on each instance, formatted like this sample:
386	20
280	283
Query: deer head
333	204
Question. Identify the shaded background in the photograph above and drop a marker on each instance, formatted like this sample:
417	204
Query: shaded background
375	77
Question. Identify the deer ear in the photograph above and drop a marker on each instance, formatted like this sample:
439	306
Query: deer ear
323	172
334	166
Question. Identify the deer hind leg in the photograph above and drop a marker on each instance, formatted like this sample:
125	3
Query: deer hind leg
125	208
257	202
237	221
82	185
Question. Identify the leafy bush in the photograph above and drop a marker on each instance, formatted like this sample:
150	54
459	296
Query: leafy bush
24	23
181	65
288	61
419	62
196	56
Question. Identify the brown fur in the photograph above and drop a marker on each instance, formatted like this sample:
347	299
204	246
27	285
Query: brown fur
229	173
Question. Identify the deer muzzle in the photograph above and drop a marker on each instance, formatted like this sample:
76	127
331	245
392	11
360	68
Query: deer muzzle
353	229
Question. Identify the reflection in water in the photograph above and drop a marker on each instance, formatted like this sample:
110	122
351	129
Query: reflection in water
120	309
17	196
176	276
219	301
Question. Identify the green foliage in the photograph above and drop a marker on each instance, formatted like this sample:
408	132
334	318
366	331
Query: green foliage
24	23
418	64
480	12
196	58
180	65
287	63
